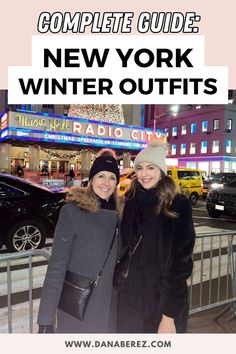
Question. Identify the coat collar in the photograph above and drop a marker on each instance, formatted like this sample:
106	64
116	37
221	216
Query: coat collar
83	198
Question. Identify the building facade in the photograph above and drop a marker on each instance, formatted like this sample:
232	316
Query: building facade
45	137
40	141
201	137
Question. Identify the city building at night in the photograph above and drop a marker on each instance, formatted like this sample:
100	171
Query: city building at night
201	137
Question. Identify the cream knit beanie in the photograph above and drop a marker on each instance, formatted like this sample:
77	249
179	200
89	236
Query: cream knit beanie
155	153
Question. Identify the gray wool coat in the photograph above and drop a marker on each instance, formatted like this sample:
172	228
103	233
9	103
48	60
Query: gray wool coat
81	242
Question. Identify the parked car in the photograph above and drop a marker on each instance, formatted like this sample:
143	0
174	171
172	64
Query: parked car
217	180
222	200
28	213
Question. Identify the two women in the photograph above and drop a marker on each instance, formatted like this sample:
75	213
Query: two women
155	298
83	235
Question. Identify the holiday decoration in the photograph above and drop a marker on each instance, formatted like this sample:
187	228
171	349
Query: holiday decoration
75	155
112	113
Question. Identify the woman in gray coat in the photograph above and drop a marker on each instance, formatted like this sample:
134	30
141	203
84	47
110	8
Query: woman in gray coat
83	235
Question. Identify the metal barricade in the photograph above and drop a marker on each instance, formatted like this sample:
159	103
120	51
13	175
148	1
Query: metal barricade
7	260
213	282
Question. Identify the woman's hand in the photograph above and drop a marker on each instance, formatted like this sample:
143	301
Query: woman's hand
167	325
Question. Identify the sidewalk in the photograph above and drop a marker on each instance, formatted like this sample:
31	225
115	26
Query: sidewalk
205	322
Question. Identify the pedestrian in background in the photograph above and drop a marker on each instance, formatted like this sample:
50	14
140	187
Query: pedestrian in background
72	173
71	176
84	233
155	297
20	170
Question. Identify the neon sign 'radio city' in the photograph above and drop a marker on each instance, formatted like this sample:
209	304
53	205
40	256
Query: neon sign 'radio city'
114	132
73	126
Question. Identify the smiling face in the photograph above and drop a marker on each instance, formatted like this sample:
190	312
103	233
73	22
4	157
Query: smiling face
104	184
148	175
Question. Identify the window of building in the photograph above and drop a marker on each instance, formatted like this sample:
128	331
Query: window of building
216	124
27	107
192	149
204	126
14	106
167	131
215	146
226	166
191	164
228	146
174	131
233	166
203	147
229	125
173	149
193	128
183	149
204	166
48	108
184	130
215	167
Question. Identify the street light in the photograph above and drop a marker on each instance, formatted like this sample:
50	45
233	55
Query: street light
172	110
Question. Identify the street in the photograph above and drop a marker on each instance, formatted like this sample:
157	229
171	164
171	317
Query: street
204	223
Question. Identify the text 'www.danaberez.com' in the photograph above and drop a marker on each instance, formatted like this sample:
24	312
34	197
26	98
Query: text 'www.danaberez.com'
118	344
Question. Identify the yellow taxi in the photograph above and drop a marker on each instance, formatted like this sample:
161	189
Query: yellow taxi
126	176
189	180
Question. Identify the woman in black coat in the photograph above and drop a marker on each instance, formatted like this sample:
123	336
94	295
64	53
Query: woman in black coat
155	296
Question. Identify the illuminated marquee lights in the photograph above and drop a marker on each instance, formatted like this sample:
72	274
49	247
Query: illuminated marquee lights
4	134
22	124
207	158
117	132
23	134
3	121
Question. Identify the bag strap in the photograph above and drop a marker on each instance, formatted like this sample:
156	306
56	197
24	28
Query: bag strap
136	246
139	234
108	253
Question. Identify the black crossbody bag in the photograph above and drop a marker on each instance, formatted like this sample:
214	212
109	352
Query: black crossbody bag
77	290
123	266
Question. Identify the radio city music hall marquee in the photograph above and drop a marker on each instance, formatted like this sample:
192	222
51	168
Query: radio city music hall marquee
77	130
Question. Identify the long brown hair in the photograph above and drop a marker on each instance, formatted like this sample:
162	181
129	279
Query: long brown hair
166	191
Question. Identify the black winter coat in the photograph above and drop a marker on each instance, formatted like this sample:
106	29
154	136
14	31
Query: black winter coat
161	264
